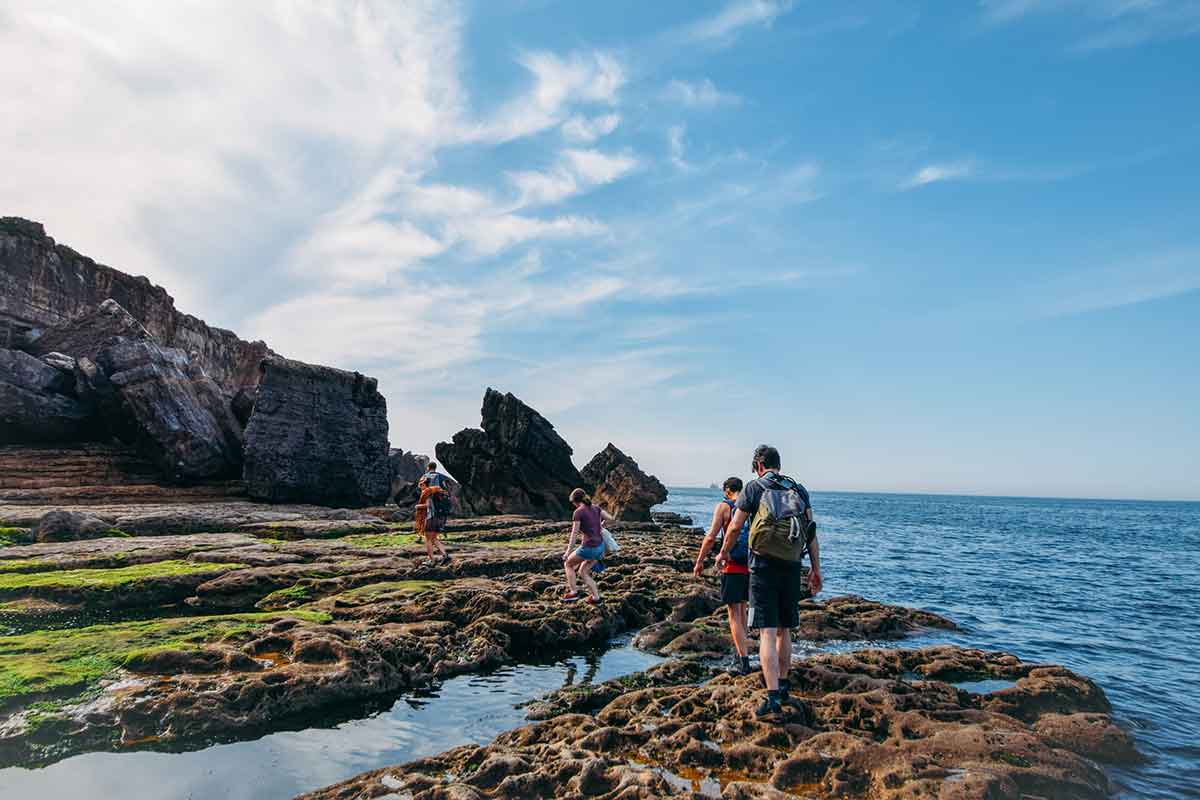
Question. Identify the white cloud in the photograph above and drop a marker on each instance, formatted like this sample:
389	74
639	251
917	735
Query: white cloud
162	124
588	129
936	173
700	94
558	83
577	171
675	147
488	236
735	16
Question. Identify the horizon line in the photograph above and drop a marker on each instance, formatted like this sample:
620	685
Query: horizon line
978	495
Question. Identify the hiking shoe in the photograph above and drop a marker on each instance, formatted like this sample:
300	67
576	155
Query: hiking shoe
769	708
570	597
738	665
594	601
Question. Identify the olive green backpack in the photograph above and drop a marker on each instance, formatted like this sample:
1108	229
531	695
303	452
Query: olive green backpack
781	529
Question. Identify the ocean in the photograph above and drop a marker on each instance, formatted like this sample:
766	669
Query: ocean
1108	588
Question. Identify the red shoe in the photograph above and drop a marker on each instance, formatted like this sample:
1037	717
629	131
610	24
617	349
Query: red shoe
594	601
570	597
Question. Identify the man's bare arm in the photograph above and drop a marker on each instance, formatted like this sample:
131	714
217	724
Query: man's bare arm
720	514
731	534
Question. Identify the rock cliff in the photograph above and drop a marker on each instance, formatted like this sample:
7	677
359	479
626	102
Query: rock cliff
620	487
317	435
44	284
517	463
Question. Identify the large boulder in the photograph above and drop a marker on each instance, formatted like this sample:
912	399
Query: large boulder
171	410
517	464
317	435
620	487
70	526
86	335
38	401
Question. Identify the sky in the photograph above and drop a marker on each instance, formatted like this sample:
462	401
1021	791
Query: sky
918	246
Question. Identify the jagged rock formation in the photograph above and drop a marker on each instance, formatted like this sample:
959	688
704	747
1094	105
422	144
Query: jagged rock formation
517	464
317	435
44	284
620	487
94	355
406	468
38	401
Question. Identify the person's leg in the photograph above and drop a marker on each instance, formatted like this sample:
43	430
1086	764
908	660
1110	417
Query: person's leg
437	542
767	657
783	651
586	575
737	628
572	564
429	545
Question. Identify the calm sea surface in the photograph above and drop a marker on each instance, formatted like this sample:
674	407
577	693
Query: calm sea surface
1110	589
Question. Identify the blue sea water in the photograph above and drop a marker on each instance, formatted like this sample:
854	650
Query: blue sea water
1110	589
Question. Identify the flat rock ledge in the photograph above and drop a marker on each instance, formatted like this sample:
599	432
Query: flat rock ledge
879	724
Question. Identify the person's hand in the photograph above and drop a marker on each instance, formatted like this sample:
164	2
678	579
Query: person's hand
815	582
698	569
566	554
722	560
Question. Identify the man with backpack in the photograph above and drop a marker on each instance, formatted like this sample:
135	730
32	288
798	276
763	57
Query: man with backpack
782	531
735	575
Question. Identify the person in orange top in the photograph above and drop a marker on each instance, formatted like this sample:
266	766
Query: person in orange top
427	522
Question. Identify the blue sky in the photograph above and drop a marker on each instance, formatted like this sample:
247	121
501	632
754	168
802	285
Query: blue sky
918	246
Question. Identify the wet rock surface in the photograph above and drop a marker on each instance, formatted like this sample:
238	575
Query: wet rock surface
517	463
872	724
620	486
317	435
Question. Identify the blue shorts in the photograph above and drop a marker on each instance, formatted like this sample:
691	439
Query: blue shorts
594	553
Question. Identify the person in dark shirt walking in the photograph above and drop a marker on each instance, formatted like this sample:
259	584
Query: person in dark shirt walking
781	532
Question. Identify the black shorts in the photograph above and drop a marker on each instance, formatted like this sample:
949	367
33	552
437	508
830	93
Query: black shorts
735	587
776	589
435	524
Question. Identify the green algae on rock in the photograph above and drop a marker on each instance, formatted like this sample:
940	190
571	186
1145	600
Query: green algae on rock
44	662
15	582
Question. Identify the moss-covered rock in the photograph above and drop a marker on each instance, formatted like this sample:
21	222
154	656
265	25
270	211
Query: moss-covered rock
46	662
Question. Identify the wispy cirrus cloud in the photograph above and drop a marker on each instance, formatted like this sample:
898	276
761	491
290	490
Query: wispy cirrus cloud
586	130
721	28
698	94
938	173
1106	24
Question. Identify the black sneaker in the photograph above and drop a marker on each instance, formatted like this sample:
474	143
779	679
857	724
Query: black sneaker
738	666
769	708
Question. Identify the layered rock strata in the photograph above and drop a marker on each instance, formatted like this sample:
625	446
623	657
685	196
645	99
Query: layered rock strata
317	435
620	486
516	464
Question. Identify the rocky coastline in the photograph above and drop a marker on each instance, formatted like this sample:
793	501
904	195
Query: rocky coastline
203	541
